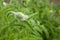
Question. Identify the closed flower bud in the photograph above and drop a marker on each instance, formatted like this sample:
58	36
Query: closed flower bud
4	3
20	15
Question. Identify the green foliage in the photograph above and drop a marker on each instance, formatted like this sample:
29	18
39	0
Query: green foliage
43	22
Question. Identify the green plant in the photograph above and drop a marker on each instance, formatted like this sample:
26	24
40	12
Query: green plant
41	23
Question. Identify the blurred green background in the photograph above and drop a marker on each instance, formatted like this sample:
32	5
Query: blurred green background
43	22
